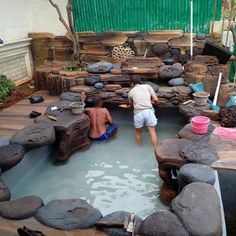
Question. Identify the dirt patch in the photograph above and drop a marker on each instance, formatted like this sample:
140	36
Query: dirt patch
21	92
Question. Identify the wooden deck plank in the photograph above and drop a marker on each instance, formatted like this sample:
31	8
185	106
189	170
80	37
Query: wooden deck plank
227	160
17	117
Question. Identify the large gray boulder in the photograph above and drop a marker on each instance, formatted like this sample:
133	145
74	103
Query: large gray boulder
198	207
190	173
199	152
100	67
162	223
35	135
117	217
10	155
68	214
70	96
5	193
22	208
153	85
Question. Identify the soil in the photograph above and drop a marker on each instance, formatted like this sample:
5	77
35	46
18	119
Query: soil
21	92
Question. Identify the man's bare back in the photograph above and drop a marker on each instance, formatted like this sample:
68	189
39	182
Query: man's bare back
99	116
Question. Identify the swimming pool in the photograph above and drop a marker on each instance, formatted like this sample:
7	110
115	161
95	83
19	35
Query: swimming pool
111	176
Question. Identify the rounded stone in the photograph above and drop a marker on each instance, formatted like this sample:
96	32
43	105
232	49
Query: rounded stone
99	85
169	61
10	155
35	135
162	223
160	49
176	81
70	96
91	80
22	208
171	71
5	193
118	217
153	85
100	67
190	173
68	214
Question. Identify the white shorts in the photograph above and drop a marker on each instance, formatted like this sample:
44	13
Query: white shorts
145	117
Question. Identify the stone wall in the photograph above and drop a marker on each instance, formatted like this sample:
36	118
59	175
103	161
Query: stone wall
16	61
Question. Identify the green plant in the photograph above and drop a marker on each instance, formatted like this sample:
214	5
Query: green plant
6	86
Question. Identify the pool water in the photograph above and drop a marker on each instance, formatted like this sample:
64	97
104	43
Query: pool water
111	176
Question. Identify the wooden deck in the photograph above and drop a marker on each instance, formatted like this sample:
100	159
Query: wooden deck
17	117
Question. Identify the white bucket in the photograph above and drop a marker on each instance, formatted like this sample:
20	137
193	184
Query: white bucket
77	108
200	98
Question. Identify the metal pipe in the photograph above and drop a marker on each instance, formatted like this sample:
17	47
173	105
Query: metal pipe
191	29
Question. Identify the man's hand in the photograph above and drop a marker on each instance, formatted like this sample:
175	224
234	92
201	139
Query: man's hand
124	105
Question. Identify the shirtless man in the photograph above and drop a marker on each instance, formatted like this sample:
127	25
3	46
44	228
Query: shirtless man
141	97
99	117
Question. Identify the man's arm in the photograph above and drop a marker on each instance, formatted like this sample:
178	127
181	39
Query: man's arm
154	99
108	116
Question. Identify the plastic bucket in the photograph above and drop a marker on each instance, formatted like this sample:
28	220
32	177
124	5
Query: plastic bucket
200	124
77	108
200	98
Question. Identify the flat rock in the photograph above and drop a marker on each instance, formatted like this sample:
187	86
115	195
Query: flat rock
69	96
68	214
198	207
118	217
190	173
10	155
100	67
199	152
99	85
170	71
191	109
162	223
22	208
187	133
82	88
112	87
92	80
35	135
5	193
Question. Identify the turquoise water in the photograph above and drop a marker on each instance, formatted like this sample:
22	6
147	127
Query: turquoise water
111	176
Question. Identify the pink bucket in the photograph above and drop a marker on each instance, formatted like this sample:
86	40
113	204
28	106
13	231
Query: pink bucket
200	124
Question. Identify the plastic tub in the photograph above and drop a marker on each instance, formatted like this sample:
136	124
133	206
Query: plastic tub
77	108
200	124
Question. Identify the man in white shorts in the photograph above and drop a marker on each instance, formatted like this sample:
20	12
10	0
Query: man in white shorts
141	97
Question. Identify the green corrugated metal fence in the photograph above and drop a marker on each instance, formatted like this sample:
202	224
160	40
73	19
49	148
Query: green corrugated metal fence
143	15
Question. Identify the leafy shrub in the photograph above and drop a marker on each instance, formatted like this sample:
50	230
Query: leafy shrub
6	86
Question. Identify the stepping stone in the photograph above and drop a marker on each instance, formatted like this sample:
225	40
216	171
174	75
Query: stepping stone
68	214
117	217
162	223
20	209
199	152
69	96
92	80
198	207
35	135
190	173
170	71
100	67
82	88
169	158
122	90
191	109
5	193
10	156
187	133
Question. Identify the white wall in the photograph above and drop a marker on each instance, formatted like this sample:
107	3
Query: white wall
18	17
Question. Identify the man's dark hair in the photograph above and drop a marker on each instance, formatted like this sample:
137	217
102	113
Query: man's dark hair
135	79
97	101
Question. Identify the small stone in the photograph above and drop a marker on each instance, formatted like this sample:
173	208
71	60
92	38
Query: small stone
176	81
99	85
